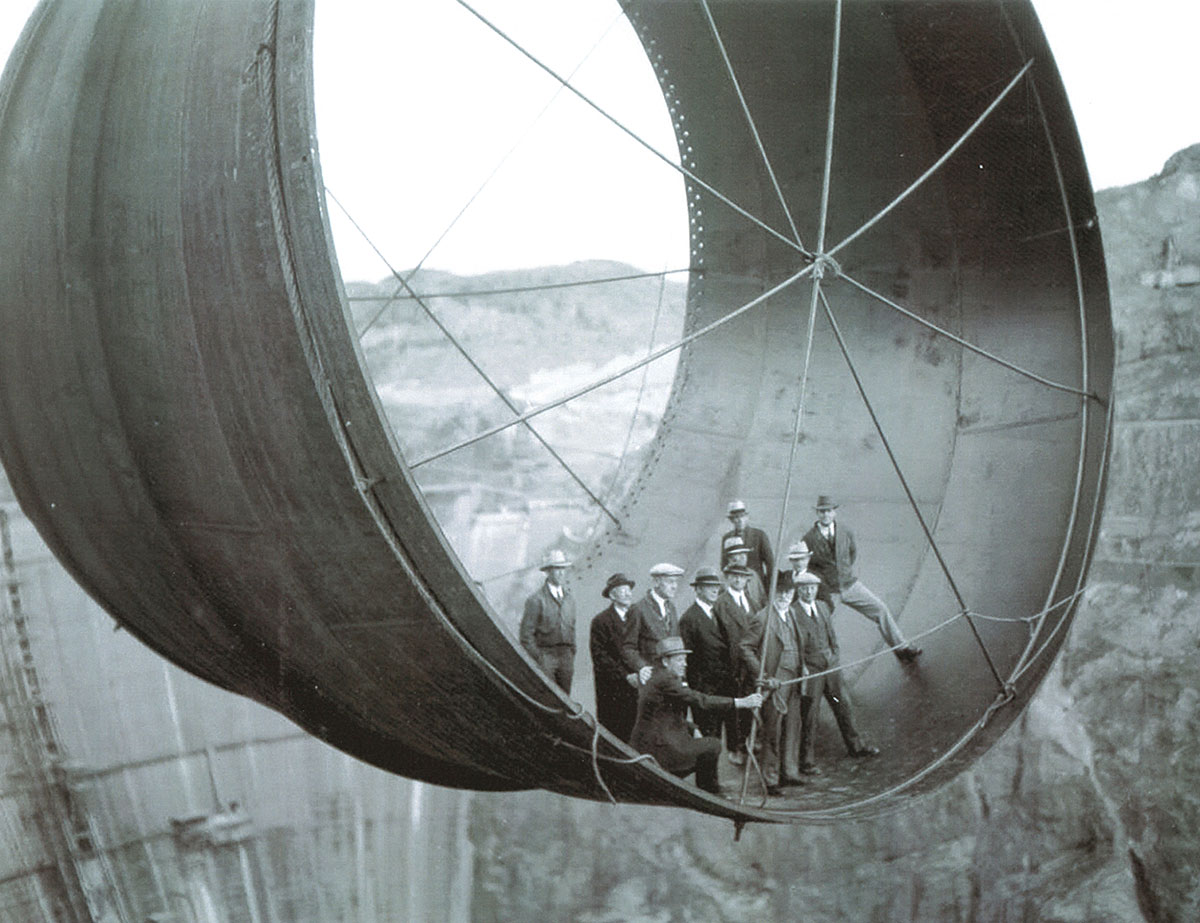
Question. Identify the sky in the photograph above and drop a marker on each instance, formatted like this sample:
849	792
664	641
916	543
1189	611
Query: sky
559	182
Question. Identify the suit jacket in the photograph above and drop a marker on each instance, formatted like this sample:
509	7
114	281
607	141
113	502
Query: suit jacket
616	699
834	565
546	622
752	648
737	622
710	665
820	640
644	628
662	727
605	638
760	559
752	642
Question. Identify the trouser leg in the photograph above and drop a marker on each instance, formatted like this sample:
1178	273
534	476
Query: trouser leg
708	750
559	663
843	712
861	599
790	735
810	709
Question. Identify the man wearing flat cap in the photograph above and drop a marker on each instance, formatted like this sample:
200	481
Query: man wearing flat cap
773	650
710	666
651	618
834	556
662	728
616	686
821	655
548	623
759	557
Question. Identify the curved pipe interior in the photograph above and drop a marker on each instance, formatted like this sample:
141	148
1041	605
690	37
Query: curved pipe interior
184	415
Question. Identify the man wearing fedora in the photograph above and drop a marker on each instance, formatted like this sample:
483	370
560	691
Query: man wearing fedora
733	608
736	554
821	654
799	558
834	555
616	686
759	557
662	728
773	651
651	618
710	667
548	623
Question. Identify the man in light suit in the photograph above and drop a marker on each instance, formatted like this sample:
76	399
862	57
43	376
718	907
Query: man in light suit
710	666
616	686
651	618
773	650
548	622
821	654
834	555
662	728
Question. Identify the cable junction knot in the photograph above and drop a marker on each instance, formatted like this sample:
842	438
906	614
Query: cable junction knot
825	265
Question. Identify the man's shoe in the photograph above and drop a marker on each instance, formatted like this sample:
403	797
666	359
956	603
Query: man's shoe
809	769
908	654
774	790
790	781
865	750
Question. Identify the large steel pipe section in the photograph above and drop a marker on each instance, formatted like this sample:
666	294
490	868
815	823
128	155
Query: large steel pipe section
185	419
184	416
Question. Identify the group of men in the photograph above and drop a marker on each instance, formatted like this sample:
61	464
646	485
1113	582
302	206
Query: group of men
732	650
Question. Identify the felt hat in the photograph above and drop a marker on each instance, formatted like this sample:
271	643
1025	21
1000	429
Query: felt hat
826	502
615	581
555	557
706	576
669	647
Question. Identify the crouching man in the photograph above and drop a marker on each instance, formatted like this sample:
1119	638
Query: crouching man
662	728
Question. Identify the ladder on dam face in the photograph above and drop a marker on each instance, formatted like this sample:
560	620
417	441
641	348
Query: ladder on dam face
85	871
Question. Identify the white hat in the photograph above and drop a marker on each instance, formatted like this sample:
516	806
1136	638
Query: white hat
736	506
666	570
799	549
554	558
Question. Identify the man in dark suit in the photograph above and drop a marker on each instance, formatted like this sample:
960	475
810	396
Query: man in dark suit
733	609
773	650
548	622
616	686
651	618
821	654
834	555
710	667
759	558
735	554
662	728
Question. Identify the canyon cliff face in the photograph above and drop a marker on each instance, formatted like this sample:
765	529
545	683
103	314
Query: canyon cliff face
1087	810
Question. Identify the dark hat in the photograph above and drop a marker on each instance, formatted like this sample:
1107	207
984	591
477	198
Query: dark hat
669	647
783	581
706	576
825	502
806	577
615	581
739	569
